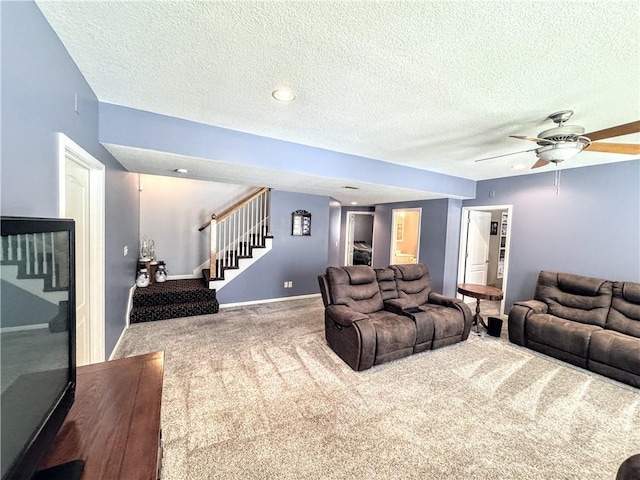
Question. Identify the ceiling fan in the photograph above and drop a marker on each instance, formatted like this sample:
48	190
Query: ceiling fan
565	141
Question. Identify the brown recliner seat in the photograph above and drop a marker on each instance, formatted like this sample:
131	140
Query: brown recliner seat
370	318
357	326
590	322
441	320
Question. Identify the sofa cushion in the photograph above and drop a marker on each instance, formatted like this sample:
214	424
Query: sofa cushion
363	296
448	323
561	334
387	283
412	271
616	350
575	297
394	333
360	276
413	281
624	316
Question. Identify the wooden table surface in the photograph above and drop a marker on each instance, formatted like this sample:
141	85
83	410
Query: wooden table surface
114	423
481	292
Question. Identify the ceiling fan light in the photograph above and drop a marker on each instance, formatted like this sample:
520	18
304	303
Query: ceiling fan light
560	151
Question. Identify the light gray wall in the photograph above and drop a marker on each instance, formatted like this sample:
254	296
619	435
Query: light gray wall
363	229
439	238
451	256
39	80
135	128
299	259
591	228
173	209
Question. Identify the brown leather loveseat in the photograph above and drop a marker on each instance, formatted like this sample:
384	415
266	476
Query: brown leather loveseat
589	322
375	316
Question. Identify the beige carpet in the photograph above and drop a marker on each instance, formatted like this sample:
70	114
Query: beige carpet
255	393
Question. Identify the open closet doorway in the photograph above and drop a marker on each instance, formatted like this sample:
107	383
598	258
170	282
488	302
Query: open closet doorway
484	250
359	241
405	235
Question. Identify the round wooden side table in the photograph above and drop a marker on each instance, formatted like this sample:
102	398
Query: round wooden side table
480	292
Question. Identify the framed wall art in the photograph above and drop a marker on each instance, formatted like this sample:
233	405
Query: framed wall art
301	223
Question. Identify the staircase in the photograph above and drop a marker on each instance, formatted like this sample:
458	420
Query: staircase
29	263
239	237
172	299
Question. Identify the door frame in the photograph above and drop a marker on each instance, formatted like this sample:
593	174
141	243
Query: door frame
348	234
464	229
394	213
69	150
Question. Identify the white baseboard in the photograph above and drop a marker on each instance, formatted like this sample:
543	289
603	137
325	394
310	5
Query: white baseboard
269	300
115	348
126	322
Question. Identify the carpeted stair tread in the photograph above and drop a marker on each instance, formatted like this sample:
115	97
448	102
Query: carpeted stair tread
173	299
175	310
172	291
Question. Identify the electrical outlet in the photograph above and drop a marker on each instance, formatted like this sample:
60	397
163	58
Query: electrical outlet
125	251
290	284
285	284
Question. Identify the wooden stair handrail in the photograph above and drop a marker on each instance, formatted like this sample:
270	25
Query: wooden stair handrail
236	206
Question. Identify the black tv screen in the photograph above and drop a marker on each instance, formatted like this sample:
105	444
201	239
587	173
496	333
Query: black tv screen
37	338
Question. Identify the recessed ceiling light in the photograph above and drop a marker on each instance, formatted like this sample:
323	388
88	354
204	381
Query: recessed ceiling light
283	94
354	203
519	166
181	170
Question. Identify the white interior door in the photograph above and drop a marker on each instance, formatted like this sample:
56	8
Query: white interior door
477	258
77	188
81	182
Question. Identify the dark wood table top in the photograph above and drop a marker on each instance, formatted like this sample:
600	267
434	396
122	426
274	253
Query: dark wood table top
114	423
481	292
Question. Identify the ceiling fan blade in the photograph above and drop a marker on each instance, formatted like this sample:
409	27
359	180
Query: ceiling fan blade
505	155
625	148
626	129
540	163
534	139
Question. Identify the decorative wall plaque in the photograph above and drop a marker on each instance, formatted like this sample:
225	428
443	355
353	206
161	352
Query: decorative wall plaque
301	223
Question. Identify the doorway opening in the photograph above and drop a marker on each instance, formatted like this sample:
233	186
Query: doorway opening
485	237
81	197
405	235
359	241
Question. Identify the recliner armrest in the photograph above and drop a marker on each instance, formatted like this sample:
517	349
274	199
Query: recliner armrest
440	299
535	305
458	304
400	306
518	318
344	315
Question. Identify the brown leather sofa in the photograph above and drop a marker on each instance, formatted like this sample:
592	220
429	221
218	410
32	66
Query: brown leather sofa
589	322
375	316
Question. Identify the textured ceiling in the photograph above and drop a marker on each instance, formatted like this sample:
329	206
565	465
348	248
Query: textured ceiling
429	84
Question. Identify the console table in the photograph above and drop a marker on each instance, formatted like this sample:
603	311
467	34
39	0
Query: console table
114	423
480	292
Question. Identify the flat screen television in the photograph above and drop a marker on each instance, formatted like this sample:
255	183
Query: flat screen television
37	339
